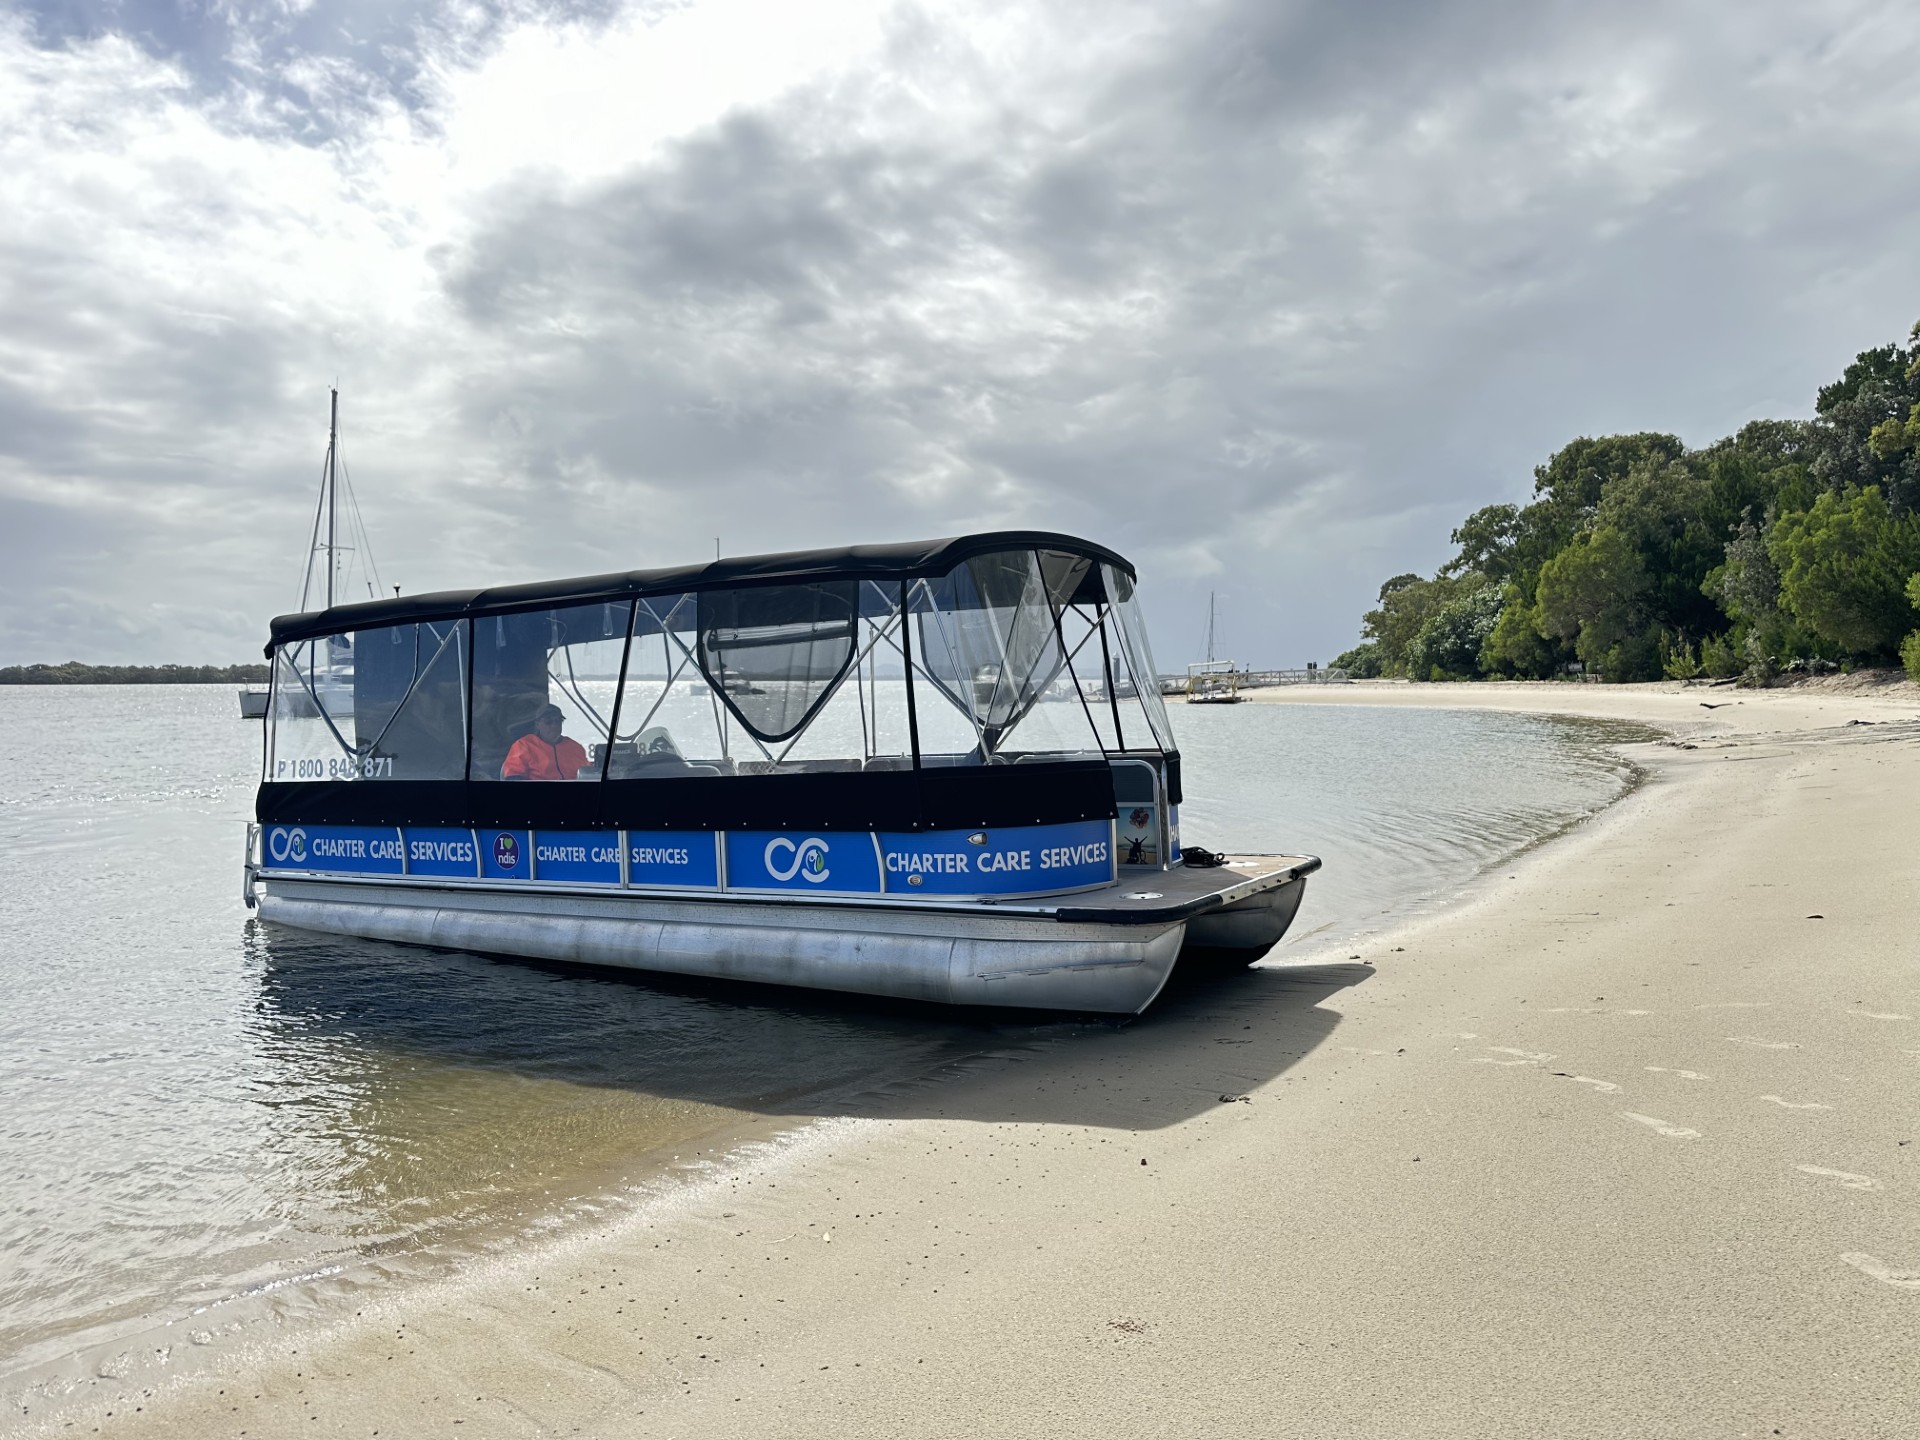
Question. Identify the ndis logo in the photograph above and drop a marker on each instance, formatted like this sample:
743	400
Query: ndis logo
808	859
506	851
287	847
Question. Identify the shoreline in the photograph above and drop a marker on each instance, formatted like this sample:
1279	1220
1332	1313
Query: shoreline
820	1275
1662	704
187	1335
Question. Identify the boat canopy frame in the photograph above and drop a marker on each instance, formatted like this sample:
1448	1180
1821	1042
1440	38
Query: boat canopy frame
907	560
979	621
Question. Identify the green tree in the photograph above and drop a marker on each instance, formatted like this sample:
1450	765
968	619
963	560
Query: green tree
1449	644
1575	477
1487	539
1770	444
1910	647
1595	593
1747	585
1362	662
1517	645
1742	475
1860	424
1671	514
1844	567
1406	604
1636	554
1894	439
1516	545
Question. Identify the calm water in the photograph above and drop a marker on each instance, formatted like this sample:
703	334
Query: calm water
198	1111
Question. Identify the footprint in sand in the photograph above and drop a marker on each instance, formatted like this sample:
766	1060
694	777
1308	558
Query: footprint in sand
1661	1127
1791	1105
1605	1087
1590	1010
1883	1272
1683	1074
1759	1044
1845	1177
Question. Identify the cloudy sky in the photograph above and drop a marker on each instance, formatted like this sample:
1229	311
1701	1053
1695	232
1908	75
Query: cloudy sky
1265	294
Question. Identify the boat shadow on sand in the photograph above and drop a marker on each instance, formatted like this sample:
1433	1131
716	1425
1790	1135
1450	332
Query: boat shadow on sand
403	1024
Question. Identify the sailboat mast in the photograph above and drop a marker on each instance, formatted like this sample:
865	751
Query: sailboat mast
333	440
1210	627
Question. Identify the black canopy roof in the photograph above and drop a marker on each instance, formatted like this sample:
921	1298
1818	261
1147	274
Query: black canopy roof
900	561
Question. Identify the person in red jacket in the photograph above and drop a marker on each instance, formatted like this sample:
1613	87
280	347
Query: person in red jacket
546	754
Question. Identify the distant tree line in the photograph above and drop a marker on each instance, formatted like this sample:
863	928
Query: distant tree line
74	673
1792	544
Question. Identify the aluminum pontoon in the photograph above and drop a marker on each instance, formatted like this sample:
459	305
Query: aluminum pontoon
939	770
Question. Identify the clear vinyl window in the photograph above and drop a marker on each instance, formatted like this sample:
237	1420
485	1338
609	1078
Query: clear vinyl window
774	653
784	679
1137	682
381	704
544	685
991	644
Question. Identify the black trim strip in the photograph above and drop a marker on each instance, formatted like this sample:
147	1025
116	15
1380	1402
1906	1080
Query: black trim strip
956	798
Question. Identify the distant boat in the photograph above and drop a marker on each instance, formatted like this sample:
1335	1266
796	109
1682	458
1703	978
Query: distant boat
338	679
1213	682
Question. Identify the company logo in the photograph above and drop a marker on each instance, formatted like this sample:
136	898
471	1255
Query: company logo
287	846
808	859
506	852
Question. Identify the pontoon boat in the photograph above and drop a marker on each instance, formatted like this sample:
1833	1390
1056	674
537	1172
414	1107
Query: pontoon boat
938	770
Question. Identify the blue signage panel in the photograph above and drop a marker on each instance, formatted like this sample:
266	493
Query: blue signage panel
682	858
442	852
1025	860
506	854
837	863
337	849
579	857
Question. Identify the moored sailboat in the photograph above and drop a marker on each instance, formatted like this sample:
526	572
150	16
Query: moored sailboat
325	541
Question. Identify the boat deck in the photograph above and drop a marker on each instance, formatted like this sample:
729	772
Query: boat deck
1160	897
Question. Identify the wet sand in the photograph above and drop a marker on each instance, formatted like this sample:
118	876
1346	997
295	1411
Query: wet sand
1625	1142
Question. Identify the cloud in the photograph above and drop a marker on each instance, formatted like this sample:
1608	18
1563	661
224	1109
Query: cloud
1267	295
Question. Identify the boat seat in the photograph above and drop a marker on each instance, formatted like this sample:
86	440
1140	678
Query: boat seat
628	766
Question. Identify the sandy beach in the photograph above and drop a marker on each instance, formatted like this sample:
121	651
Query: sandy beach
1623	1142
